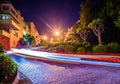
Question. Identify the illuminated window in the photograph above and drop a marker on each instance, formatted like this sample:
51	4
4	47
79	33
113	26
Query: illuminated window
5	17
5	7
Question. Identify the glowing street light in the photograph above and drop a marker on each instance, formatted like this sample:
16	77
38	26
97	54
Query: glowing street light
45	38
57	33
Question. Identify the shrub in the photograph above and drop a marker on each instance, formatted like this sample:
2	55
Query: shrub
87	47
113	47
54	44
43	43
81	49
8	69
84	43
53	49
46	46
70	48
62	47
99	48
78	44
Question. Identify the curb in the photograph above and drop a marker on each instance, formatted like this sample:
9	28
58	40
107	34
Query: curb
16	79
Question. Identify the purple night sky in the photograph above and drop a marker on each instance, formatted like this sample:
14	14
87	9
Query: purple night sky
49	14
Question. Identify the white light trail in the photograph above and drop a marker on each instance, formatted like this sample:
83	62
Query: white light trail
60	57
45	55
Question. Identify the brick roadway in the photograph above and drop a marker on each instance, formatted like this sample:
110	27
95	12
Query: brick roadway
41	72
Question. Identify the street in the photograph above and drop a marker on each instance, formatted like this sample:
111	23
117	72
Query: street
60	41
47	72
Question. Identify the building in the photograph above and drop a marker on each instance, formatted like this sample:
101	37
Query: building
13	26
34	32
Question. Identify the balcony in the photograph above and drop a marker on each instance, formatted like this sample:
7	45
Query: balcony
4	11
10	24
4	33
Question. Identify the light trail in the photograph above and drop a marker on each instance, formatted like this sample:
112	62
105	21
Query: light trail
60	57
45	55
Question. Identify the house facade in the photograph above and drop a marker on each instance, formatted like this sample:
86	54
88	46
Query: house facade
13	26
34	32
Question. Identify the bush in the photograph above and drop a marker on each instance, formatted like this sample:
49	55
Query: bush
8	69
46	46
113	47
99	48
54	44
84	43
87	47
81	49
62	47
43	43
70	48
78	44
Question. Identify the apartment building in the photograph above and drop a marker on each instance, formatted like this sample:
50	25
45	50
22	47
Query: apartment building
34	32
13	26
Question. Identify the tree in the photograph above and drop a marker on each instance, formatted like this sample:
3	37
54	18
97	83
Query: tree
108	11
108	8
30	39
71	36
83	33
27	39
61	38
75	26
117	20
97	27
86	16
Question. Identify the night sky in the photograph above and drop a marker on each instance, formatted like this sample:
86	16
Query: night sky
49	15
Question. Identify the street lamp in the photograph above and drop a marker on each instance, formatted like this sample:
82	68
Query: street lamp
57	33
45	38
